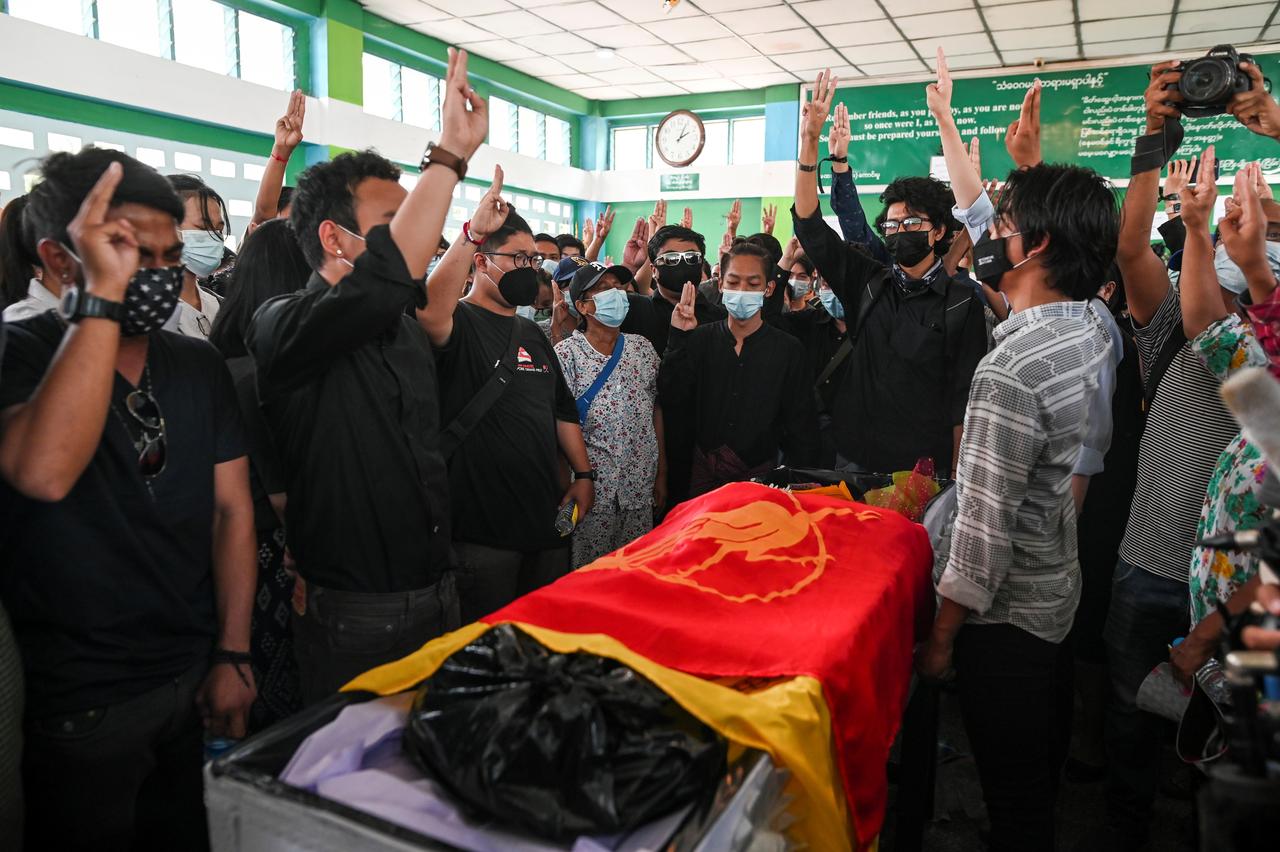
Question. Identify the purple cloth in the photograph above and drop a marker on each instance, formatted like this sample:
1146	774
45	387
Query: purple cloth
356	759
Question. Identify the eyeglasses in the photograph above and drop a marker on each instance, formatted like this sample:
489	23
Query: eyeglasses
202	323
151	445
672	258
911	223
521	259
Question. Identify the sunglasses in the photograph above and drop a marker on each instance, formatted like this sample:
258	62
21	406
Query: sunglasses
673	258
151	446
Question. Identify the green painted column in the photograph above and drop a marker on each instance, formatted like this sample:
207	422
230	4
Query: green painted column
337	61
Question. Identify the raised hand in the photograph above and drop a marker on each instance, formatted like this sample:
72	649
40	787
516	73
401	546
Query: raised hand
1244	228
1198	201
975	156
1162	102
464	116
1022	140
605	223
686	221
588	232
938	94
107	249
769	217
816	110
789	253
658	217
734	217
491	211
1260	184
992	188
1179	176
840	134
683	317
636	253
1256	109
289	125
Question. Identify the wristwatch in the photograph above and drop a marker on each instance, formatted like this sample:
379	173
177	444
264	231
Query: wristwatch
437	156
78	305
805	167
584	474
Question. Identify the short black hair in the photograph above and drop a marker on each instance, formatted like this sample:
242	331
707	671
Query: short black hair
802	260
675	232
286	196
512	225
18	260
444	244
564	241
769	243
1074	207
928	196
747	248
192	186
326	191
546	238
68	178
270	264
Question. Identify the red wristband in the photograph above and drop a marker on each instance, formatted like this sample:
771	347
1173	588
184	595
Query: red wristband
466	234
278	158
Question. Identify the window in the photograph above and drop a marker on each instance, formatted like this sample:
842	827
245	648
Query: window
502	124
532	133
738	141
401	93
559	141
202	33
630	148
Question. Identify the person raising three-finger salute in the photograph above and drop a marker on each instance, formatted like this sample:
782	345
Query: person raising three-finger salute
916	331
129	565
349	389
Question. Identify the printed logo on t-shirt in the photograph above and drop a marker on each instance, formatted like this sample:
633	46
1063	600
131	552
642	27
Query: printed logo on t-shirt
525	364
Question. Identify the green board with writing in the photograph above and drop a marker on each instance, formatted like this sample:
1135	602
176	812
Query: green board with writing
681	182
1089	117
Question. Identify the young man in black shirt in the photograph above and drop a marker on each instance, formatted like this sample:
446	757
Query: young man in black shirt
918	333
503	455
747	383
127	553
348	384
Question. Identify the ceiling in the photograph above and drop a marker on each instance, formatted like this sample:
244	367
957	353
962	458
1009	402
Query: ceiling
723	45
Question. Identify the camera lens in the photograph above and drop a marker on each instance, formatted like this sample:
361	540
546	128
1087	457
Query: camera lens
1205	81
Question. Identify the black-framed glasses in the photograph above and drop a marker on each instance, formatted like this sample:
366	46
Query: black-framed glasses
909	224
672	258
521	259
203	323
152	454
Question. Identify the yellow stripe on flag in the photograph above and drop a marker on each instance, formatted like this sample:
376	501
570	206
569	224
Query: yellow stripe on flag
789	720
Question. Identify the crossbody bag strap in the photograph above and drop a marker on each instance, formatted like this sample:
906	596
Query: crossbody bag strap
452	436
589	395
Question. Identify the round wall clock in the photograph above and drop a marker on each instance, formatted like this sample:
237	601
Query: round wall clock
680	138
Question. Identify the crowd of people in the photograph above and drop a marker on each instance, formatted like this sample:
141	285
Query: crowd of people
231	483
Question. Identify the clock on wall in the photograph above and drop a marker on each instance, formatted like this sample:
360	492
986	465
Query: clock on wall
680	138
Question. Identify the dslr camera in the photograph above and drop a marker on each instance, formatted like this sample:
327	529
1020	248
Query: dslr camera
1210	82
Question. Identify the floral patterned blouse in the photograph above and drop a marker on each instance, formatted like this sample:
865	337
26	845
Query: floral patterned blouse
1231	501
621	442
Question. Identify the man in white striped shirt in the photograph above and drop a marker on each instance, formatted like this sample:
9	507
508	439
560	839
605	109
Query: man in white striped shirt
1009	578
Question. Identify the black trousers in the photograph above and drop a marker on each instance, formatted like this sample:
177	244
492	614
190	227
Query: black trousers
1015	699
489	579
344	634
121	777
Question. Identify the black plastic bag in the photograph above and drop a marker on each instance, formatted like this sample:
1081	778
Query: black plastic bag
559	744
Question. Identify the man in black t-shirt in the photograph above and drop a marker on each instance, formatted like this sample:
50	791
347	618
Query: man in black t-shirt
503	457
127	555
348	384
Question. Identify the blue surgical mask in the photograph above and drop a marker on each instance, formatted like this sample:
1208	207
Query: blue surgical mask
1230	276
202	252
550	267
831	303
526	311
611	307
799	288
742	304
568	303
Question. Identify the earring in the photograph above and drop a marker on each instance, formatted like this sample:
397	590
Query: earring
339	252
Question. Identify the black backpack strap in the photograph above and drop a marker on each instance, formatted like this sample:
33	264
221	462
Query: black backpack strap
452	436
1172	346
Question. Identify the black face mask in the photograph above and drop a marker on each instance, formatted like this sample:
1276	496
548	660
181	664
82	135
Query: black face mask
990	260
519	287
908	249
673	278
150	299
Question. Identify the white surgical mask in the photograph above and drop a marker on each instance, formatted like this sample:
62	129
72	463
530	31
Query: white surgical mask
202	251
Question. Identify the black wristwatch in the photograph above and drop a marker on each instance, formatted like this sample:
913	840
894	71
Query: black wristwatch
78	305
584	474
